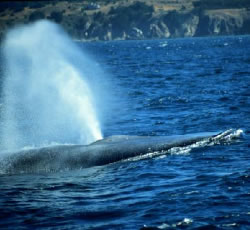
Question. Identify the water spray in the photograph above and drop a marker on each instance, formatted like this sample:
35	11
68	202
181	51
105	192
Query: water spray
47	92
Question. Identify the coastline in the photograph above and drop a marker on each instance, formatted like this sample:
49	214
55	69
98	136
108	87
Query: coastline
131	20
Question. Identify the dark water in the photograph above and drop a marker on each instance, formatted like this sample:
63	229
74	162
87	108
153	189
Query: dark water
163	88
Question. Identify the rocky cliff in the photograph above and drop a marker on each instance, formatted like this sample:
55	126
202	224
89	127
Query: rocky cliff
120	20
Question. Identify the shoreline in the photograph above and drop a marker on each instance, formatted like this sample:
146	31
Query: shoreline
131	20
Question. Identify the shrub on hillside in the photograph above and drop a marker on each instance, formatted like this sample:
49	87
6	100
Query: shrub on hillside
36	15
220	4
135	15
56	16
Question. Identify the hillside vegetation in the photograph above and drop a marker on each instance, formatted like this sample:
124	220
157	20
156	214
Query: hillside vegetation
129	19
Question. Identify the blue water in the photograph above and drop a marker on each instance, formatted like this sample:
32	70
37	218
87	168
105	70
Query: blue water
161	87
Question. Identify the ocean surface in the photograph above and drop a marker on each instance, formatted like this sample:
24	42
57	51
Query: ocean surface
161	87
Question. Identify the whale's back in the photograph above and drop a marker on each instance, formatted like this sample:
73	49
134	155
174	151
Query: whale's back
108	150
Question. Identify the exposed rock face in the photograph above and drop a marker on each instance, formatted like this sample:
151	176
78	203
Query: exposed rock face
227	22
181	24
158	30
173	24
190	26
139	21
136	33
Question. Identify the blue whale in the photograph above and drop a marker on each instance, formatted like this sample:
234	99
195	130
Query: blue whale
102	152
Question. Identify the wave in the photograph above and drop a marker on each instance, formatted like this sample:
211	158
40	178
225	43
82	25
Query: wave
226	137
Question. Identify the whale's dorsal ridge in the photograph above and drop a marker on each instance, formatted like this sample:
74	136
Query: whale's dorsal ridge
106	151
116	138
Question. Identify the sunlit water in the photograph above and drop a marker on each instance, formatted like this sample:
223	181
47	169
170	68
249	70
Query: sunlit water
168	87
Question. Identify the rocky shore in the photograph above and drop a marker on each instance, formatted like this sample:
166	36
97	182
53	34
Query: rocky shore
127	19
